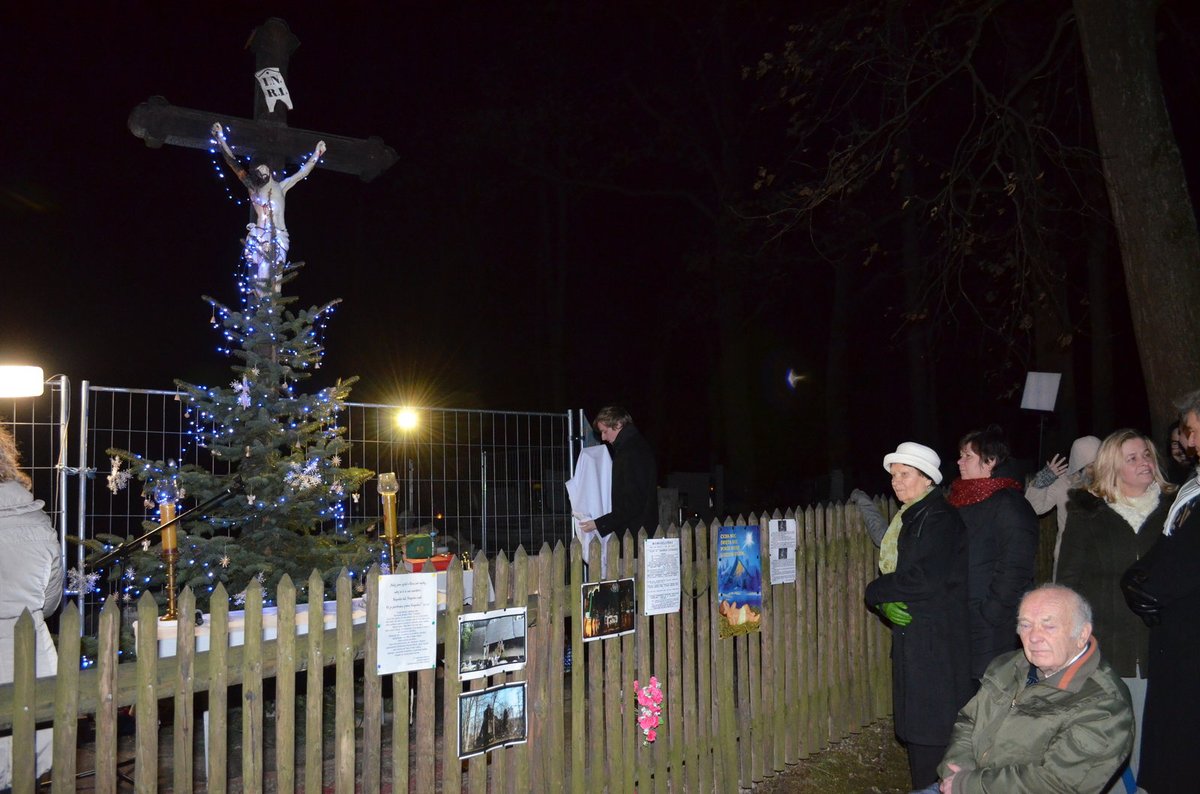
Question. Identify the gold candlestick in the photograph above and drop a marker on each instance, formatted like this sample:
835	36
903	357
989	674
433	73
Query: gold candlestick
170	553
388	487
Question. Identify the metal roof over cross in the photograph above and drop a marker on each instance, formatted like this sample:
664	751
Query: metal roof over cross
157	121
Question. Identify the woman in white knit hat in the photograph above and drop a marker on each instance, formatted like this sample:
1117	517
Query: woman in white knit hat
1048	489
921	592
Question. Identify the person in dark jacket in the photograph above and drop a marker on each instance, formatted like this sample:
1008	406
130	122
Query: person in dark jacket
1111	525
634	476
1164	588
1002	529
921	591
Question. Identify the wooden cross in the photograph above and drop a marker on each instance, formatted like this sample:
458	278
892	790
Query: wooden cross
157	121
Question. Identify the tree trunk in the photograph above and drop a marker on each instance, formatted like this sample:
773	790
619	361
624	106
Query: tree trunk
1156	227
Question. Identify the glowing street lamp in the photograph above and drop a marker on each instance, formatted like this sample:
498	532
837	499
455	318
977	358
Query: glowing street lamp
407	419
21	381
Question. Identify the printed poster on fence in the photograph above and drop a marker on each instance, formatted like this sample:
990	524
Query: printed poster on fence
490	643
739	580
491	718
782	534
662	576
407	623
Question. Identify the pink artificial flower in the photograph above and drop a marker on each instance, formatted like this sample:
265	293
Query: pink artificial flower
650	735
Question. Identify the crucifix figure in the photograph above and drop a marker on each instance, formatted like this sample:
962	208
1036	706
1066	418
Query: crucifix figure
268	140
267	239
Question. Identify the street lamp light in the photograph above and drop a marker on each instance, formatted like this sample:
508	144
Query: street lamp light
21	381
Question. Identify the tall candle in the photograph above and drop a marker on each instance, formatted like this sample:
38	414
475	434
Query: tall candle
170	539
389	515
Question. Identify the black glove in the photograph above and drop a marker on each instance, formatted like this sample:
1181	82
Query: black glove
1140	602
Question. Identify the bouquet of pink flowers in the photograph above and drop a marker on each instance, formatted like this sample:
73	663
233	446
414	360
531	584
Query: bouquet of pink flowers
650	698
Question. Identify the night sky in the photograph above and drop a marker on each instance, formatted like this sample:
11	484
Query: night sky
539	245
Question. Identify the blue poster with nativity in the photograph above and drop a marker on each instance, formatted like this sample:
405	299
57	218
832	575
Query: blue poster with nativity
739	580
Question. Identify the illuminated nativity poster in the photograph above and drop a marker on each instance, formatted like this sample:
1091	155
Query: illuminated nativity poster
739	580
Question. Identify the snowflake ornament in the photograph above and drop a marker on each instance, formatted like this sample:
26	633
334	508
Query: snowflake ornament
301	478
117	479
336	460
242	390
224	561
82	583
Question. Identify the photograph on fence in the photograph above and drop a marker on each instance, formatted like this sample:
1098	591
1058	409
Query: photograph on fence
608	608
739	580
490	642
491	718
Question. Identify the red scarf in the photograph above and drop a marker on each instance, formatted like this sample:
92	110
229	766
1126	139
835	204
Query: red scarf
969	492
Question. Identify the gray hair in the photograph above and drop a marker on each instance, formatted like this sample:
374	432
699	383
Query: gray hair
1082	609
1188	404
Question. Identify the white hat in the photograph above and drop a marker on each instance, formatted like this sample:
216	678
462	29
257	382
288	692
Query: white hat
919	456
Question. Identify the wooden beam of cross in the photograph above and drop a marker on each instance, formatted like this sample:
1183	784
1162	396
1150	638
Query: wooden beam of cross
157	121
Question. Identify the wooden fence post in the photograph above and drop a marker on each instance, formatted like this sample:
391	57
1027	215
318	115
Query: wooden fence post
66	701
285	687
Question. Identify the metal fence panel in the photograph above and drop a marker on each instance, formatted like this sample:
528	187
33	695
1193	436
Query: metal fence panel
483	480
39	425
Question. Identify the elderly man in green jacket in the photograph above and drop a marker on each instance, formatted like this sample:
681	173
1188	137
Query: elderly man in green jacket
1053	718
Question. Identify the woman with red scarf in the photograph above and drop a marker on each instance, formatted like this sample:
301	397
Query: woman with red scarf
1002	537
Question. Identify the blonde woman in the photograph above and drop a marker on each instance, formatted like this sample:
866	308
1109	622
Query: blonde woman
31	578
1110	525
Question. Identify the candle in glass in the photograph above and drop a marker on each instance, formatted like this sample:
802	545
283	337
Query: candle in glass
170	539
388	486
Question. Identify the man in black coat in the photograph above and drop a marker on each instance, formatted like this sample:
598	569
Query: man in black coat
1164	588
634	476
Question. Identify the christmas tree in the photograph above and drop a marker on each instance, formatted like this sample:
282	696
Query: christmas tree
275	450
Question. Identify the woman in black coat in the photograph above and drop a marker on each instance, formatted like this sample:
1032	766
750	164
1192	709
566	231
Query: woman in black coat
1002	531
921	591
1110	526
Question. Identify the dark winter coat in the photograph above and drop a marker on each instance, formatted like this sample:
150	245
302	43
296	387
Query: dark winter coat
1172	717
930	675
634	485
1098	546
1003	538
